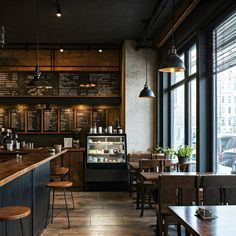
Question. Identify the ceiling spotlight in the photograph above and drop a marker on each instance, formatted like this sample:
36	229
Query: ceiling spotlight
61	49
59	14
99	50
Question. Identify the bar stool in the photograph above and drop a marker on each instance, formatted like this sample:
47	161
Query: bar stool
14	213
55	185
61	172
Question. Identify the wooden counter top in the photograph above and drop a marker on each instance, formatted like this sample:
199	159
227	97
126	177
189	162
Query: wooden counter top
14	168
81	149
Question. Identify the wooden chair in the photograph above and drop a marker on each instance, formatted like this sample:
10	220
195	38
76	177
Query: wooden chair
14	213
146	188
135	157
174	190
219	189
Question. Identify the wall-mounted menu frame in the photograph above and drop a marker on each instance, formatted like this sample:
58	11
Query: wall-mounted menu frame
66	120
18	120
99	117
83	120
4	117
34	120
50	120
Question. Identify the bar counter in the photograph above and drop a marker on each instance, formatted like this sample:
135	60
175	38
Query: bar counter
23	182
9	170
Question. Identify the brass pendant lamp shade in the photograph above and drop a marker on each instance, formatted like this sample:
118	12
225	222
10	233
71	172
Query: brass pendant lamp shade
146	92
172	62
38	82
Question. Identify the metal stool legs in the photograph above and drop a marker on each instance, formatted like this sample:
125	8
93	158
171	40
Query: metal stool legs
66	205
68	219
21	227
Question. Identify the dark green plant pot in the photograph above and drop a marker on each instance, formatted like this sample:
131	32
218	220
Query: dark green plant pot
183	160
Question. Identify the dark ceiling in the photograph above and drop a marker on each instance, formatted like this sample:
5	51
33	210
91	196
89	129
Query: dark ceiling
94	22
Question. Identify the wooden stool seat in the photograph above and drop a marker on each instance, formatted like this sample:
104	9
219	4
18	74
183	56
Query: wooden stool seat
60	171
13	212
59	184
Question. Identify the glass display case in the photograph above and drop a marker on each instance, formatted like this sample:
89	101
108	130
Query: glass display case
106	149
106	162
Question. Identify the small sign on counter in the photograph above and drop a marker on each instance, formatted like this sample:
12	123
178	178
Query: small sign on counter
68	142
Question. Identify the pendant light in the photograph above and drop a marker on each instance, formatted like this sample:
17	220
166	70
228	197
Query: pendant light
38	82
172	62
146	92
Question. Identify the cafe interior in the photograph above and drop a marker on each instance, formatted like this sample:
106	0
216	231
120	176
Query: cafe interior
117	117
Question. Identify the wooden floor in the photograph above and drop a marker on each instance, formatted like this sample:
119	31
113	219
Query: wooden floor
102	214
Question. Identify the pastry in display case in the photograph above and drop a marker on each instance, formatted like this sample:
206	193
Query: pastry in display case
107	149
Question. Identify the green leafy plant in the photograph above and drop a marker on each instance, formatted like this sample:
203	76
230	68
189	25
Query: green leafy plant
159	149
168	151
184	151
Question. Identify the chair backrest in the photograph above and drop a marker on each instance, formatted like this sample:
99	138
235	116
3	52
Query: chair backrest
158	156
219	189
150	165
178	190
135	157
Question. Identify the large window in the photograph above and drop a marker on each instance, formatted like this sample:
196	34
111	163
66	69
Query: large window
178	116
224	68
183	102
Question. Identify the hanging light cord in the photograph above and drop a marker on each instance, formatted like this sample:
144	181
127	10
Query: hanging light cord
172	24
37	33
146	66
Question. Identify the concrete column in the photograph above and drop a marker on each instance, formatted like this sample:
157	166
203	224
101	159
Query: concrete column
139	113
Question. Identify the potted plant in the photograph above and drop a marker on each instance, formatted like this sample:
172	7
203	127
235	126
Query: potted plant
169	152
184	153
159	149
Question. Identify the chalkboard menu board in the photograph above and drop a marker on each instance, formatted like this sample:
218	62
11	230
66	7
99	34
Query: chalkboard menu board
99	117
4	118
83	120
15	83
34	121
50	123
18	120
63	83
67	120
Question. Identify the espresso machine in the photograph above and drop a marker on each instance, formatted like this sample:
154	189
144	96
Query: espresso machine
8	139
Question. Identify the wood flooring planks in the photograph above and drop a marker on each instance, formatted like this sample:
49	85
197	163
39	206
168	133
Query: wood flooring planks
101	214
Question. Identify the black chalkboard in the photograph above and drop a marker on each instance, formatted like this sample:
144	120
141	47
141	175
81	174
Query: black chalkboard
33	120
83	120
99	117
50	121
66	120
18	120
63	83
4	118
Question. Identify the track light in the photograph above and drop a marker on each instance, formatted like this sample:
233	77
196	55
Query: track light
59	14
61	49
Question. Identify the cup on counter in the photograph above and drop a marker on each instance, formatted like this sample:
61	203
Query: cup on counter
17	145
100	130
109	129
58	148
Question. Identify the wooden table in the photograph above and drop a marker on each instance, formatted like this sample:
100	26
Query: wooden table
153	176
222	225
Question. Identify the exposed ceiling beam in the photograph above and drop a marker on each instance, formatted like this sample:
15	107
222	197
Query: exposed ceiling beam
183	16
